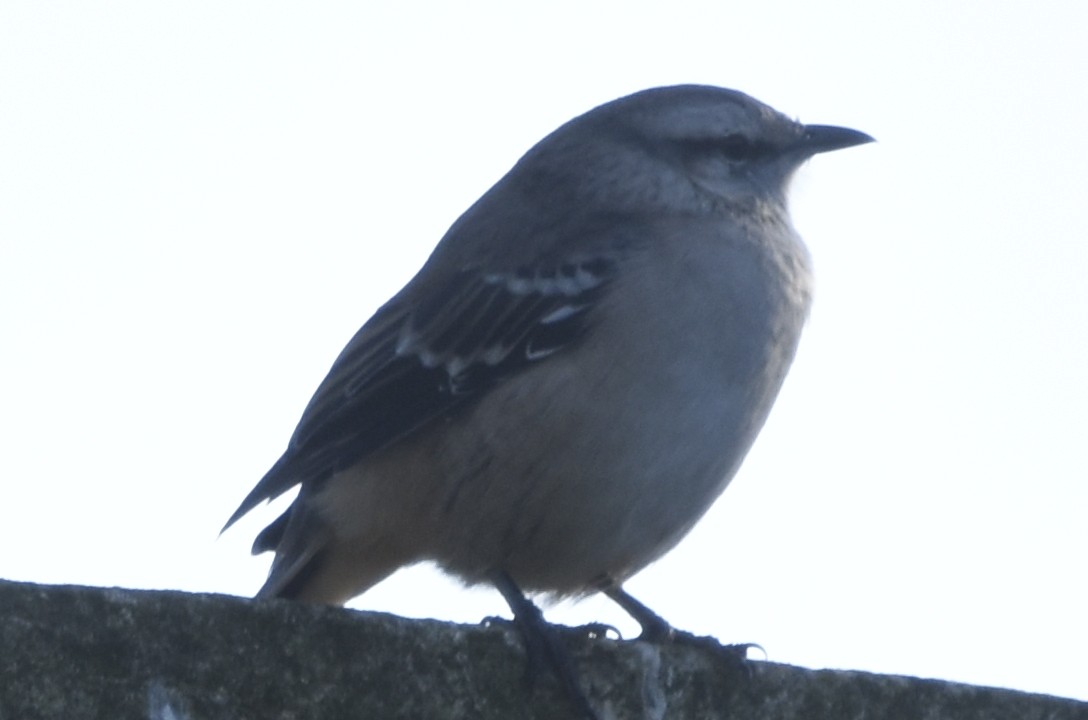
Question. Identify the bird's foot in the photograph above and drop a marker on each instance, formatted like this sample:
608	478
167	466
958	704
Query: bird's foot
735	654
544	647
656	630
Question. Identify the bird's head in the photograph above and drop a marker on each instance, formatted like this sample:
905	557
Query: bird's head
674	144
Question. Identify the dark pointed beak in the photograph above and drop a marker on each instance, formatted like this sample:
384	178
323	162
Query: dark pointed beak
825	138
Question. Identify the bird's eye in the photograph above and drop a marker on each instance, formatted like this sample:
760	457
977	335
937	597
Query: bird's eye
735	147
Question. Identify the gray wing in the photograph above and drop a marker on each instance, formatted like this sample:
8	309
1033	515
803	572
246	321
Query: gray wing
412	363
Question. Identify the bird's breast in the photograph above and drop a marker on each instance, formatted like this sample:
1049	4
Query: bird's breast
600	459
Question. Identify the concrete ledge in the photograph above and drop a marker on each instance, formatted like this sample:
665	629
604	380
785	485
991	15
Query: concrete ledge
79	652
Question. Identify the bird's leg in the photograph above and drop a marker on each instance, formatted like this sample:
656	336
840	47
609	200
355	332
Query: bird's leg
654	627
656	630
542	643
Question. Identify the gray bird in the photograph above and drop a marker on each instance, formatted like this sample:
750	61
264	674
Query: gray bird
575	374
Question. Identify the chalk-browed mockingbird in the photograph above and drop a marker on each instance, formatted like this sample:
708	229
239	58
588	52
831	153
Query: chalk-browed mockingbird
574	375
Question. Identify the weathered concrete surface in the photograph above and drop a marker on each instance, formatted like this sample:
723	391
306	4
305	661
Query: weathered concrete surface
77	652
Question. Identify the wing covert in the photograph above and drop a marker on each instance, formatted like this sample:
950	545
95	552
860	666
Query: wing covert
411	364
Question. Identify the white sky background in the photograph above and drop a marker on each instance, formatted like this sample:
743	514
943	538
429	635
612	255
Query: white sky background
200	203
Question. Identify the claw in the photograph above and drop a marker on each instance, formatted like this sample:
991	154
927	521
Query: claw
542	645
656	630
598	631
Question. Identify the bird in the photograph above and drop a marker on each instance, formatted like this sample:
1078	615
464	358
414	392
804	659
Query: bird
574	375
